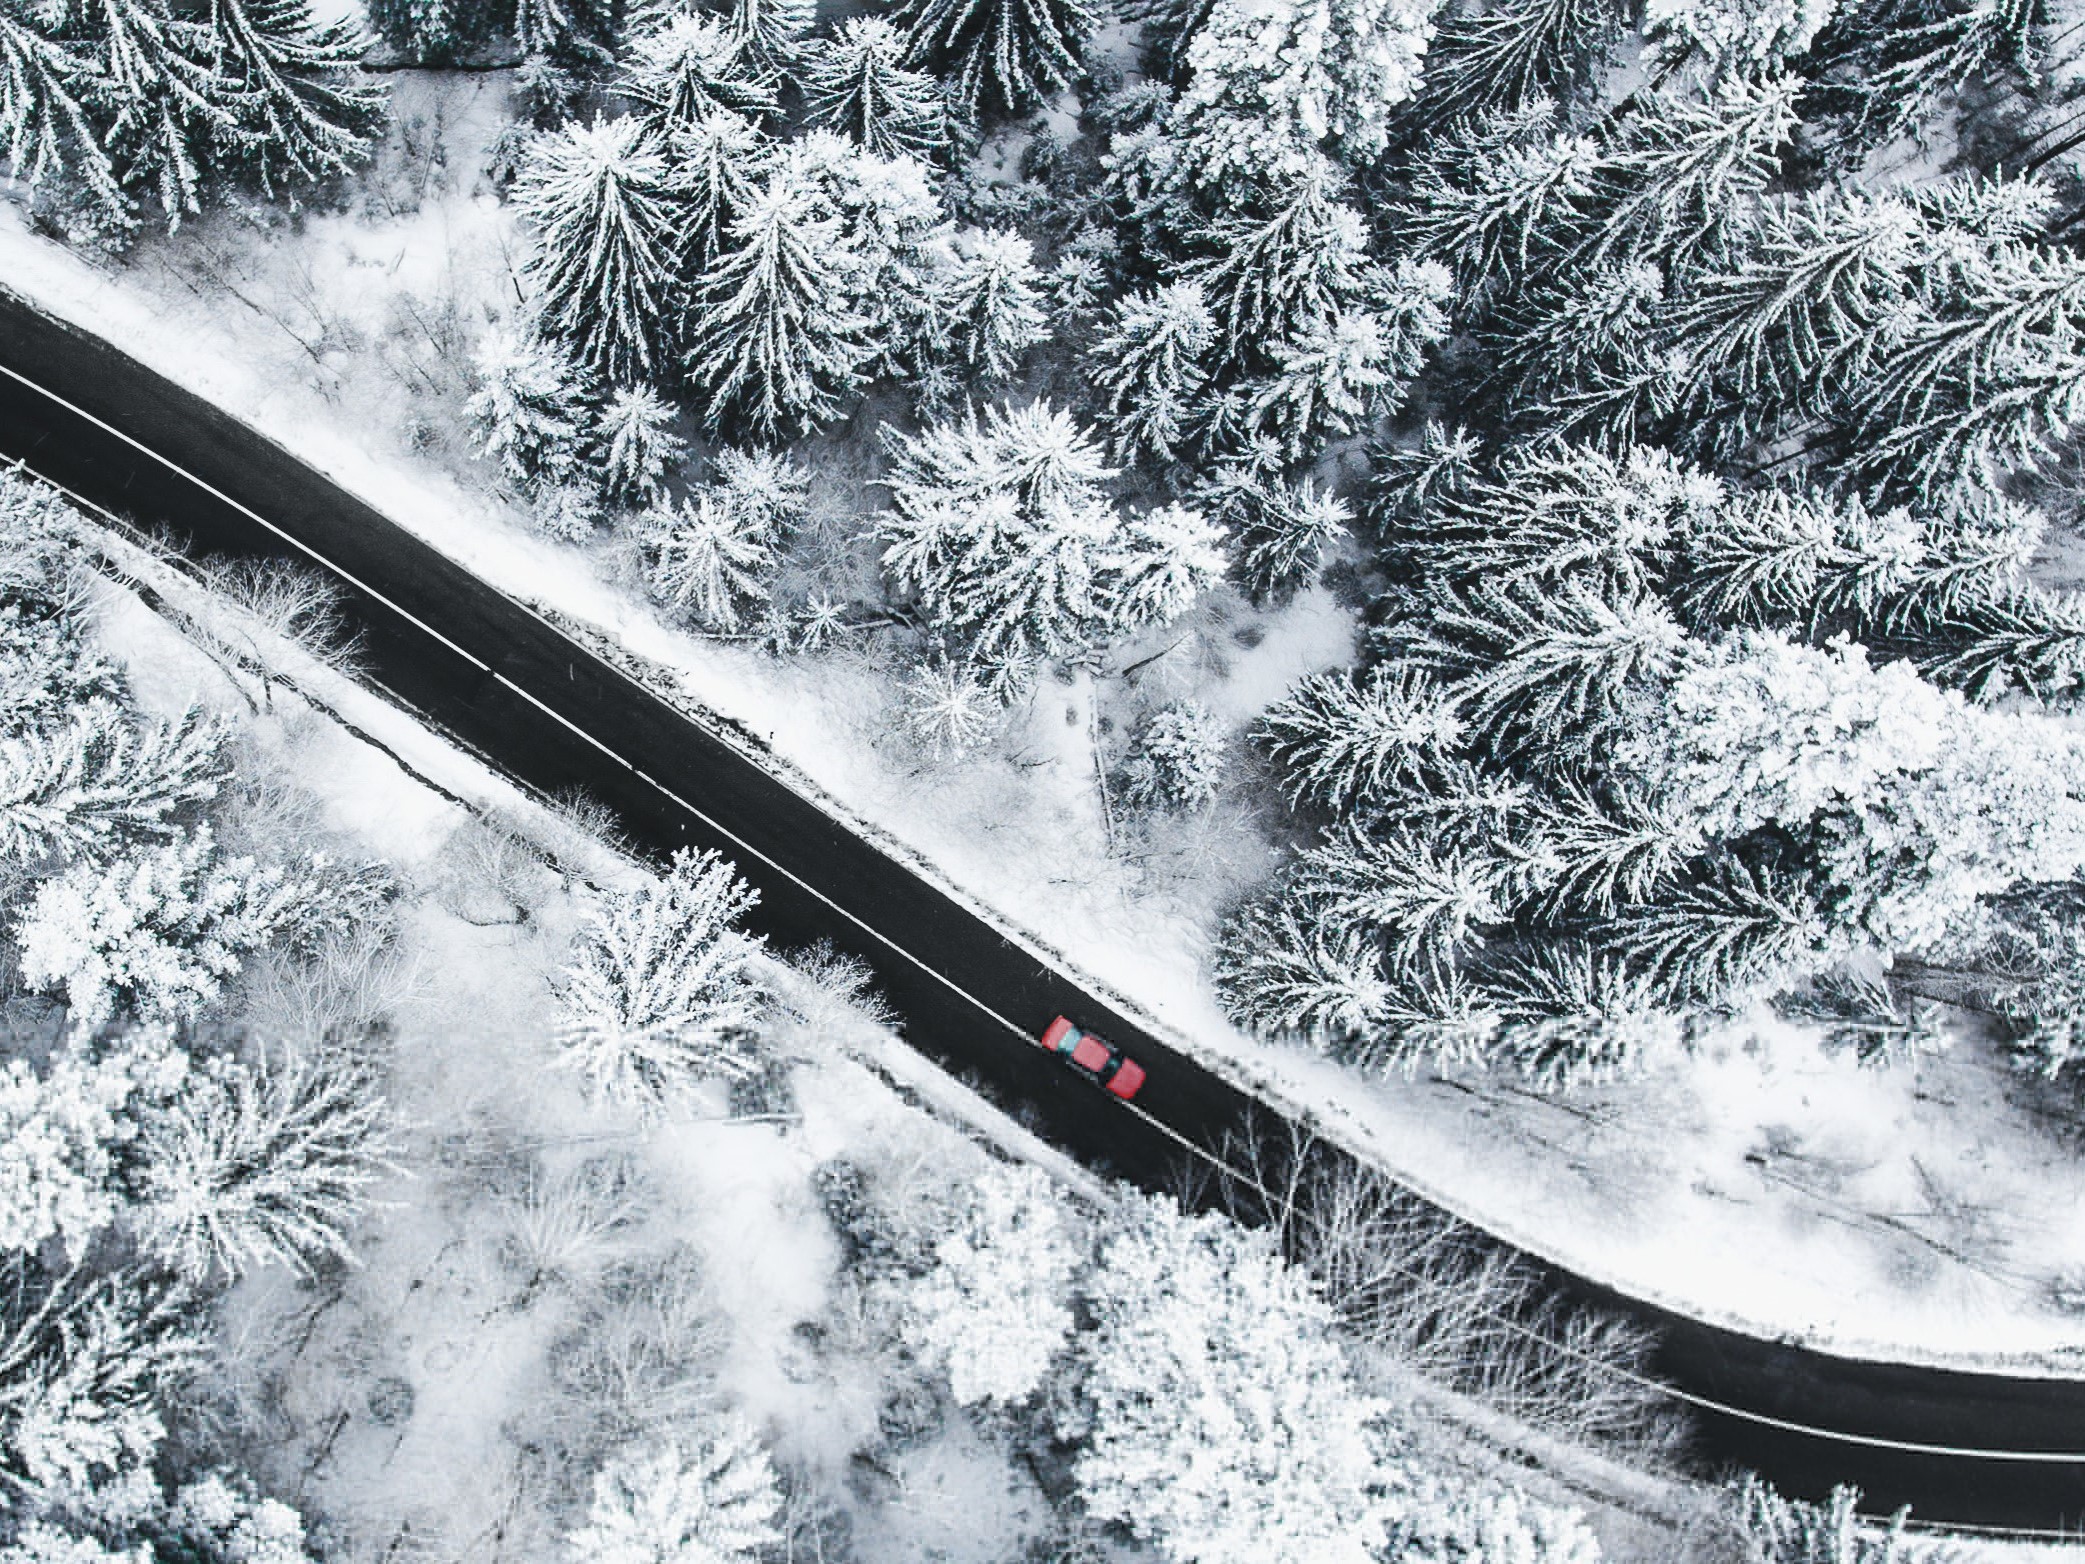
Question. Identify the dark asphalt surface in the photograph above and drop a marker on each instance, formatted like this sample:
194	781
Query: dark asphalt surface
963	990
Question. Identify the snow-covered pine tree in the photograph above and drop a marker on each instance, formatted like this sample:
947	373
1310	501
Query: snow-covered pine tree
64	1134
774	342
1273	273
891	211
633	432
715	164
710	559
1985	378
1164	558
436	32
687	66
1881	66
46	132
1510	55
1571	1013
601	273
1178	759
1865	772
1723	935
856	84
1224	1423
1338	741
1453	1515
1796	312
771	33
528	411
83	1362
1498	190
1790	1531
1429	894
83	790
1002	533
996	54
659	989
1289	534
1325	383
1685	169
157	933
710	1500
1731	37
951	708
1268	83
159	98
1148	362
994	1311
1595	851
262	1164
1282	968
990	303
305	107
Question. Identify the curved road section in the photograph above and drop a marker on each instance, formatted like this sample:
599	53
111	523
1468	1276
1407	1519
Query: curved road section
1974	1449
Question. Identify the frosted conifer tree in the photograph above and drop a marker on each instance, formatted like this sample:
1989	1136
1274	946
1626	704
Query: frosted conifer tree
773	341
159	932
1338	740
1149	364
164	103
434	32
605	239
1289	534
1224	1422
82	1364
687	67
1281	969
264	1164
63	1134
710	559
1790	1531
771	33
528	412
634	433
990	307
1326	383
950	708
712	1501
46	132
659	989
856	84
996	54
1178	760
898	237
1003	534
1275	274
994	1312
1268	83
83	790
305	107
715	163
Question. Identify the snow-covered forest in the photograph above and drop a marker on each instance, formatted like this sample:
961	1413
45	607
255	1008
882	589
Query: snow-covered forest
297	1267
1685	396
1672	406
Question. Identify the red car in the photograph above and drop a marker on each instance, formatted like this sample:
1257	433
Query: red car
1094	1057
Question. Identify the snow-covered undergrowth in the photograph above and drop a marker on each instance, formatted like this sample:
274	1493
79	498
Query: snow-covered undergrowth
1902	1211
459	1289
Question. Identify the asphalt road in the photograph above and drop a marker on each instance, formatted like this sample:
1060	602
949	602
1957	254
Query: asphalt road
1969	1448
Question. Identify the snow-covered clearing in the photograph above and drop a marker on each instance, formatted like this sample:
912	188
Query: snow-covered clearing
1921	1212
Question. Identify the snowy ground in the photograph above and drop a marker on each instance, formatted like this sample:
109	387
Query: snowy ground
1921	1212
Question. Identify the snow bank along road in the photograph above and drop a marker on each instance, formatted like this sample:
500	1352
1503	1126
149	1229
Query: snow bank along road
1969	1448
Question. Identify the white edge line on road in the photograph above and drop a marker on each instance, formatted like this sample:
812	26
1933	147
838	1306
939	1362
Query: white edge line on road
1705	1403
